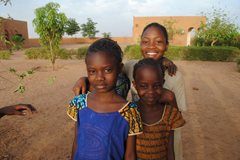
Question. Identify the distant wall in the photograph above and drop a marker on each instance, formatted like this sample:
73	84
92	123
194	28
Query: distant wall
185	23
10	27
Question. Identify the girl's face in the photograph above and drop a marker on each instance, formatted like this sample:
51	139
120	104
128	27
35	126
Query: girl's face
153	43
102	71
148	83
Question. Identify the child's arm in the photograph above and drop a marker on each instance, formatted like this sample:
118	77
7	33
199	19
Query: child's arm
74	146
82	86
130	153
170	153
168	97
170	66
18	109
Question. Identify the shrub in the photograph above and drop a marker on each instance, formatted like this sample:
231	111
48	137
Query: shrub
5	54
190	53
81	52
43	53
64	54
18	40
203	53
132	52
238	61
37	53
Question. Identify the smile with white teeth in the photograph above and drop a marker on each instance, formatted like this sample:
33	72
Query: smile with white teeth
152	53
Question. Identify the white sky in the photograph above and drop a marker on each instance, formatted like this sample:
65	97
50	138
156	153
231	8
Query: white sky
116	16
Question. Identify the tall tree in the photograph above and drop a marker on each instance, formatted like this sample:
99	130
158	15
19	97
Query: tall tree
89	29
72	27
219	29
49	24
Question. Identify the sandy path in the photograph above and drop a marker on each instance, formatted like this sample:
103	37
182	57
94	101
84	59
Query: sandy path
212	130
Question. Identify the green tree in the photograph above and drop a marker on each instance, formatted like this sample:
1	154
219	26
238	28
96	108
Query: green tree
219	30
106	34
49	24
89	29
171	29
72	27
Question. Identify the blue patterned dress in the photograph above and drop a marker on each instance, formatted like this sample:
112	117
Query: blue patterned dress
102	136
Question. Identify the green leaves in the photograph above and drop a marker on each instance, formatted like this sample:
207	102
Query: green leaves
21	77
219	30
20	89
12	70
72	27
89	29
50	25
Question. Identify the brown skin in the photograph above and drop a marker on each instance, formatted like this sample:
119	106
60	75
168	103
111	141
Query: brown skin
168	97
171	154
18	109
74	146
153	45
102	72
152	41
149	85
130	153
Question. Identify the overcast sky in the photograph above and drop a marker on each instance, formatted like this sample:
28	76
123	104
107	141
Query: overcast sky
116	16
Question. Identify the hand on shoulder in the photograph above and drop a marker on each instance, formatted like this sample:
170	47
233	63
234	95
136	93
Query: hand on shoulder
168	97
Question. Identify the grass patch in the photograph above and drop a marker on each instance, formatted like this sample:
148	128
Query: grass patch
5	54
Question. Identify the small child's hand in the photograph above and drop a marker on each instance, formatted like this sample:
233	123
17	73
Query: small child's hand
80	86
170	66
19	109
168	97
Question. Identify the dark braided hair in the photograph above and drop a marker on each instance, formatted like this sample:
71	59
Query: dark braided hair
150	62
107	46
158	26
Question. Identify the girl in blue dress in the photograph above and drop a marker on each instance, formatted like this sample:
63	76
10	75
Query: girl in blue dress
106	124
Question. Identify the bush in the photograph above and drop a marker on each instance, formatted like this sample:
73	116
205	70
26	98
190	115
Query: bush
81	52
18	40
238	61
37	53
132	52
43	53
190	53
64	54
5	54
203	53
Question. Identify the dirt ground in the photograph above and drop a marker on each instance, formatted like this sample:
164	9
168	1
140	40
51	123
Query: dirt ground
212	131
